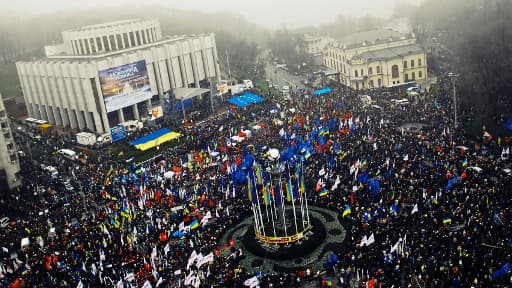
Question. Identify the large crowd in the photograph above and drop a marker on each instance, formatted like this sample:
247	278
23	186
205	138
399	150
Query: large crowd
434	199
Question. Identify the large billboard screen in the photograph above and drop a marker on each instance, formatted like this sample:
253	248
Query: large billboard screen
125	85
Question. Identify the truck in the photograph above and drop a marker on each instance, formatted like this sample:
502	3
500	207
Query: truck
85	138
225	86
132	125
248	84
104	139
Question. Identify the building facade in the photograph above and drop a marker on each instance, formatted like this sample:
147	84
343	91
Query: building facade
377	58
315	44
109	73
9	162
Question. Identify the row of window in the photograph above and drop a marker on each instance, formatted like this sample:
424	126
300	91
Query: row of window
413	76
412	63
370	71
113	42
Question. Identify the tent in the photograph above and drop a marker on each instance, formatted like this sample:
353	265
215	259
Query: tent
245	99
322	91
154	139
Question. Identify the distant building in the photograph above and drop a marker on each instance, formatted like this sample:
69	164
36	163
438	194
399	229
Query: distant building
377	58
109	73
9	162
315	44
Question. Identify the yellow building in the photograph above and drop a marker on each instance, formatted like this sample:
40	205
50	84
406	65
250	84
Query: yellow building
377	58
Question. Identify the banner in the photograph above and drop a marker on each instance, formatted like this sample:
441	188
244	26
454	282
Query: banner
125	85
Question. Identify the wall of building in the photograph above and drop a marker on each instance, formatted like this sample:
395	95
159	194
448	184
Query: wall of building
340	59
9	161
67	91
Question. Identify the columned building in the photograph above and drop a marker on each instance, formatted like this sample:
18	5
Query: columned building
109	73
9	162
377	58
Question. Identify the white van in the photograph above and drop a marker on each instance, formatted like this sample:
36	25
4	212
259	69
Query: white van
68	154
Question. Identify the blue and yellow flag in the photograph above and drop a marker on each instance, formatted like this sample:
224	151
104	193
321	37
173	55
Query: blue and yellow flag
259	174
194	224
266	195
289	190
447	220
347	211
249	189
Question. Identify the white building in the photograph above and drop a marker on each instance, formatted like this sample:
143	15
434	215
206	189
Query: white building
315	44
9	162
106	74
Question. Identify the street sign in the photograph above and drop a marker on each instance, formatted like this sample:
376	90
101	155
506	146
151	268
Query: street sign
118	133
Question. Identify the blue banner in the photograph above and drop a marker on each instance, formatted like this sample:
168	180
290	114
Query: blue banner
118	133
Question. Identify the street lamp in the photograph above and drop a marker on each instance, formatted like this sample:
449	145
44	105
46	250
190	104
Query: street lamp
453	76
212	79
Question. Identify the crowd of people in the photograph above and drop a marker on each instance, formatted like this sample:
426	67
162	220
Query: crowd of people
434	200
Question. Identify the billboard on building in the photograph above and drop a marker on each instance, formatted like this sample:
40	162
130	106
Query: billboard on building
125	85
157	112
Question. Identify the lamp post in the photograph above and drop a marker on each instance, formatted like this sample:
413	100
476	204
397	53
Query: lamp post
212	79
453	76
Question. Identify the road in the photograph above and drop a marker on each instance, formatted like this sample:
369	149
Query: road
282	77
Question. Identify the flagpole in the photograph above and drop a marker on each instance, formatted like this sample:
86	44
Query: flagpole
305	196
301	201
271	213
259	210
282	206
293	200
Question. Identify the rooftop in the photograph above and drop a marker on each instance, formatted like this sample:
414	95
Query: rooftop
370	36
107	24
389	53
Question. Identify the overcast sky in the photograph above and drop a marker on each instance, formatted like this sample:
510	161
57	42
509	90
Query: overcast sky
267	13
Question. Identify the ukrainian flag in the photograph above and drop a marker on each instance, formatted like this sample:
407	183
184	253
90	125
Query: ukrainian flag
289	191
302	187
347	211
447	220
324	192
194	224
266	195
259	174
249	189
154	139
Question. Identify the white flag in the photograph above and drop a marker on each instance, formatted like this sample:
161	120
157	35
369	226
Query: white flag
80	284
364	241
147	284
206	259
414	209
252	282
129	277
120	284
191	259
370	240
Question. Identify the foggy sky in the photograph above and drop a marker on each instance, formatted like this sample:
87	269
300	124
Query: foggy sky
266	13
